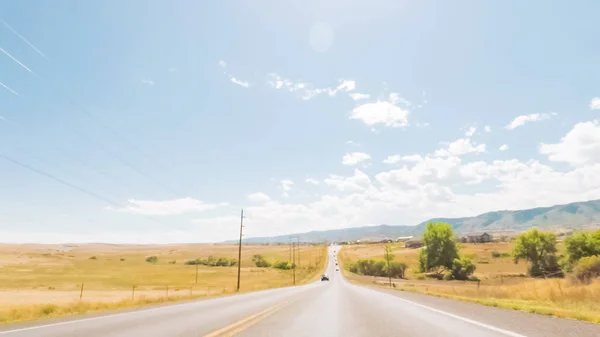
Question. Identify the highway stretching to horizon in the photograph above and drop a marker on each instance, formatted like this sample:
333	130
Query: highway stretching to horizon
334	308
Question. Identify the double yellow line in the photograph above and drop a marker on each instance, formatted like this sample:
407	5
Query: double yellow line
244	324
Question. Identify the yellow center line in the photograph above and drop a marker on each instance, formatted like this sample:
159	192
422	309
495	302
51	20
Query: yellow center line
245	323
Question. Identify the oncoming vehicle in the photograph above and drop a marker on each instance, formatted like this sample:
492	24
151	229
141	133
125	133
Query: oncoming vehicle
324	277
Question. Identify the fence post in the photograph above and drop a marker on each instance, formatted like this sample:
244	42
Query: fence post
132	291
501	279
167	292
478	283
81	292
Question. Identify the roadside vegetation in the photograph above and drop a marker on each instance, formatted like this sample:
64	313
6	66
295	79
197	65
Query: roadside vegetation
41	281
534	272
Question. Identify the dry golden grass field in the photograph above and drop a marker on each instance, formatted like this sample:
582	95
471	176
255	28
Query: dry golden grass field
38	281
503	283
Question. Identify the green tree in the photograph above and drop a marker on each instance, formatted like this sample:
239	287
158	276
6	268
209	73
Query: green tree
539	248
389	257
582	245
440	248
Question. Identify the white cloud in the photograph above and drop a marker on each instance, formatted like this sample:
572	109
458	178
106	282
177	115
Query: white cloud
148	82
579	147
595	103
222	64
521	120
380	112
346	86
459	147
358	96
392	159
358	182
488	128
504	147
428	186
312	181
172	70
166	207
354	158
286	186
239	82
470	132
306	90
259	197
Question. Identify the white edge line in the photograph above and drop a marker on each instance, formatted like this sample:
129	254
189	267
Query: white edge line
464	319
195	302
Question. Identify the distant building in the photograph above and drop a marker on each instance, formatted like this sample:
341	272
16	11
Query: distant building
403	238
476	238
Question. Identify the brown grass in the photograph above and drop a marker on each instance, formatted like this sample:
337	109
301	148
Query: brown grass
503	283
38	281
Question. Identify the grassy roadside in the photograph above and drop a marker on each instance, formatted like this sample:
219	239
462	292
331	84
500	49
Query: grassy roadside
43	284
554	297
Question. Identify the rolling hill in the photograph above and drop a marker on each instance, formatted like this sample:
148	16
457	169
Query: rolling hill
569	216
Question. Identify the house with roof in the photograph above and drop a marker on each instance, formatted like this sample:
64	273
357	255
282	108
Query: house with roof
479	237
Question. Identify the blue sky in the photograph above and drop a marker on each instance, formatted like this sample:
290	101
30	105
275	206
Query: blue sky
153	121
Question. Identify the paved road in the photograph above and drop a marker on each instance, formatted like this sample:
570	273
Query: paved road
335	308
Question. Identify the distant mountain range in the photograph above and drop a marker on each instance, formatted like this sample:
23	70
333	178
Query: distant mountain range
569	216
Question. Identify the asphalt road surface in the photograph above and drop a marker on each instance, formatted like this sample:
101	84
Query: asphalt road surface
334	308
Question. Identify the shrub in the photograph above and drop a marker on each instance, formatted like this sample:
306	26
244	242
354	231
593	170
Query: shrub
284	265
496	255
396	269
93	258
461	269
260	261
48	309
211	261
371	267
122	259
152	259
173	262
587	269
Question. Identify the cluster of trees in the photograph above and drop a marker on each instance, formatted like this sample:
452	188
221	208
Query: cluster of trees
581	258
212	261
441	255
372	267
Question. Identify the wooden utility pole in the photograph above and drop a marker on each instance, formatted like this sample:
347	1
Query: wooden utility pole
240	251
294	262
298	239
196	271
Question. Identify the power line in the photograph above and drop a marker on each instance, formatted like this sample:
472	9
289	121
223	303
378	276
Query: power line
71	185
